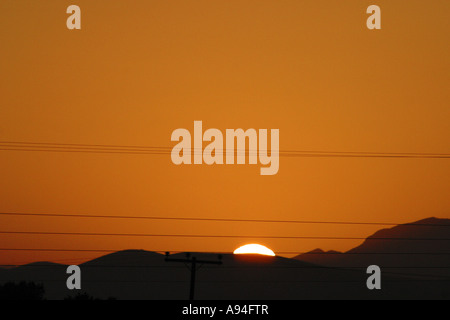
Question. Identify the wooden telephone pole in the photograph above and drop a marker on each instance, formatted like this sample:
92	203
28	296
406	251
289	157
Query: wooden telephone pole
193	268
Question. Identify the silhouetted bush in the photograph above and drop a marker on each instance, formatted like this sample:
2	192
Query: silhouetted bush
21	291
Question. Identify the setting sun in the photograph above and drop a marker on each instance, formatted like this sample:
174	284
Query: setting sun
254	249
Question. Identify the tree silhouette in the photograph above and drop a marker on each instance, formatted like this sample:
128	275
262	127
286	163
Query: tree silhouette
22	291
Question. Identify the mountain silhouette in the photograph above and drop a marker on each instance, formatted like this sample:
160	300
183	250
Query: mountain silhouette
420	248
140	274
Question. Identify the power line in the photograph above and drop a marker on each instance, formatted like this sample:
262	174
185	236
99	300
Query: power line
252	281
74	145
269	267
210	236
228	252
305	155
133	147
223	266
155	150
57	261
260	267
60	250
217	219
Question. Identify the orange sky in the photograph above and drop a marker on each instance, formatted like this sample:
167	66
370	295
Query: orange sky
140	69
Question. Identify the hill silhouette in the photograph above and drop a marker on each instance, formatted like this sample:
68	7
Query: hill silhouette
425	252
140	274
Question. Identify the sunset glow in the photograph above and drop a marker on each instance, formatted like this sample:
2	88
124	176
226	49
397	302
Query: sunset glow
254	249
87	116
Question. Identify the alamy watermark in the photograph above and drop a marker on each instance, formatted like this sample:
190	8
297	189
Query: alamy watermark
190	149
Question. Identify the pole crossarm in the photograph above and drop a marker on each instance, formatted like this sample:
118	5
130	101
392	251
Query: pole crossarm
193	261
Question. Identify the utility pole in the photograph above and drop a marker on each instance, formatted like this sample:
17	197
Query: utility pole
193	268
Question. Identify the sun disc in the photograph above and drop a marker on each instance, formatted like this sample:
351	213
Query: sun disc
254	249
